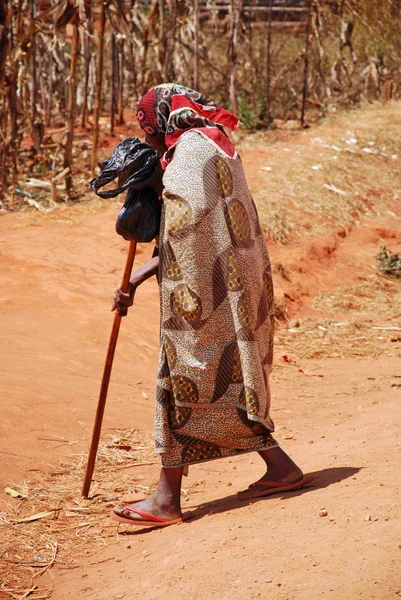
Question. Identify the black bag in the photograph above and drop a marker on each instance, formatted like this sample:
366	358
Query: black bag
134	163
139	218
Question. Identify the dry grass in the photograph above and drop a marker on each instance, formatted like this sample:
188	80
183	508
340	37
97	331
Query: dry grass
317	180
361	320
65	526
51	524
375	294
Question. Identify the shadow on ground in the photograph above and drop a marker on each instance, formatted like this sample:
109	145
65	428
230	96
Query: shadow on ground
323	479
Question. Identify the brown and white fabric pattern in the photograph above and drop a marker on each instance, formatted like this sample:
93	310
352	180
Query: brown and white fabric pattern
217	311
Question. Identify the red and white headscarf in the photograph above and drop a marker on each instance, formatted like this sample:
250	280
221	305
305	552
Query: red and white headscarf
169	110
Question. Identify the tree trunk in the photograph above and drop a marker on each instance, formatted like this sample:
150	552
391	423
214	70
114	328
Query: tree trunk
48	116
235	13
99	79
113	86
86	45
42	85
161	46
196	44
34	85
71	104
4	52
120	83
315	22
132	63
13	100
268	64
168	74
86	54
306	66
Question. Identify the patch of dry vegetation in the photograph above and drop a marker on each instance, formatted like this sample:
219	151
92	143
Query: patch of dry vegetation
362	320
48	522
325	179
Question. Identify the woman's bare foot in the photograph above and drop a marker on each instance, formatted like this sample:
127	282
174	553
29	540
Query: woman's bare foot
280	468
164	503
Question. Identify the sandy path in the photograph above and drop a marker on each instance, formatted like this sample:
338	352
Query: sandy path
60	280
281	547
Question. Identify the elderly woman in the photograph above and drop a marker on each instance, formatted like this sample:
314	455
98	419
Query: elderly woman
217	307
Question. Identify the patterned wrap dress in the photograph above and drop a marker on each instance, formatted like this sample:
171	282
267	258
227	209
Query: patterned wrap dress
217	311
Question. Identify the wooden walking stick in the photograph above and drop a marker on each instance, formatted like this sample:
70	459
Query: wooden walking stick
106	377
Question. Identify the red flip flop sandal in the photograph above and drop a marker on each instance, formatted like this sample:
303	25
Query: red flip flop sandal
273	487
120	515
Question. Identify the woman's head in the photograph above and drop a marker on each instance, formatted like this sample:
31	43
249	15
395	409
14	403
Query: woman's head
169	109
153	109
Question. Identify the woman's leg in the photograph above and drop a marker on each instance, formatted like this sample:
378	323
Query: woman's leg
280	467
282	474
165	502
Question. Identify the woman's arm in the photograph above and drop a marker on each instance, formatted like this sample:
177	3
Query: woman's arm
122	301
149	269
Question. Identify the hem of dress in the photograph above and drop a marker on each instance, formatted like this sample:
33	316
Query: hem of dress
268	423
199	462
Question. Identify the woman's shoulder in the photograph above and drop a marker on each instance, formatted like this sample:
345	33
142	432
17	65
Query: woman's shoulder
192	139
197	143
191	149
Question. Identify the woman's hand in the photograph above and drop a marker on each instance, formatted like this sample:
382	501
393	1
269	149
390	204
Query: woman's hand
122	301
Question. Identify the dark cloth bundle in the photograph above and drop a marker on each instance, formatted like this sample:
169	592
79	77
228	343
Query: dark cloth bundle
139	218
134	163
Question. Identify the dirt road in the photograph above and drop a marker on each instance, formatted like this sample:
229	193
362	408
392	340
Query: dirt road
339	418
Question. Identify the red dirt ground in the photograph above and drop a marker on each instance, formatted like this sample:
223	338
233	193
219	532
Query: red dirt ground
344	426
